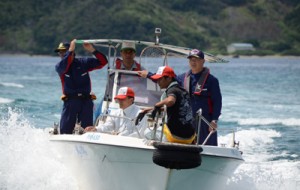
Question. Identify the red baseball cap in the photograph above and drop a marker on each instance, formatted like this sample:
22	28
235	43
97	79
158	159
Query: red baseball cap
164	71
125	92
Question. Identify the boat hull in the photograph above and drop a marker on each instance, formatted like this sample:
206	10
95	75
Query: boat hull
101	161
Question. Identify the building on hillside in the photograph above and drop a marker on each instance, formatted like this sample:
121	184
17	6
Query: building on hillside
234	47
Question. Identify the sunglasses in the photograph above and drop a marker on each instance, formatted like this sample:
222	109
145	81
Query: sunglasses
128	51
61	52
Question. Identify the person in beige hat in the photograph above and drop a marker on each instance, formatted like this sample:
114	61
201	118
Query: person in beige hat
127	62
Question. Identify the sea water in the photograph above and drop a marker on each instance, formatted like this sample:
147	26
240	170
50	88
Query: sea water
261	102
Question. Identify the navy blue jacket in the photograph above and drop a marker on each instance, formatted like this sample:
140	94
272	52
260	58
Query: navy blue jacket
210	99
74	72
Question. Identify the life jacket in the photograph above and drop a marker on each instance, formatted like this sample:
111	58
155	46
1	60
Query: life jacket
119	65
200	83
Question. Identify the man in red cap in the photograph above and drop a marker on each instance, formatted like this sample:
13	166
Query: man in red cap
179	126
121	121
205	94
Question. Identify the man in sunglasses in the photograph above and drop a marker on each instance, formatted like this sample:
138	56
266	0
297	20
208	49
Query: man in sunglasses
127	62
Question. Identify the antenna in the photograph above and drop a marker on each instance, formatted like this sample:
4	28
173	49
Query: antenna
157	33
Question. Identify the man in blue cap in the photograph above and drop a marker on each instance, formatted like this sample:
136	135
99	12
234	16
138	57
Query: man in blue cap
205	93
76	85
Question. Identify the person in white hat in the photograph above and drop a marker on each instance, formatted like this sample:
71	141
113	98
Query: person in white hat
123	124
128	54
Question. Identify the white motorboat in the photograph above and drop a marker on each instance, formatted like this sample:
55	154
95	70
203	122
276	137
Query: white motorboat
108	161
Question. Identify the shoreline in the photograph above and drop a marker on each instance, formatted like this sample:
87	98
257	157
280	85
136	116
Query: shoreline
221	56
258	56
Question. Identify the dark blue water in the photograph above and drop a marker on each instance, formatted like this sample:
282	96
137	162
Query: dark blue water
261	101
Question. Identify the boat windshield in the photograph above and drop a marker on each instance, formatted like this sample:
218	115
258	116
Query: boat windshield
147	93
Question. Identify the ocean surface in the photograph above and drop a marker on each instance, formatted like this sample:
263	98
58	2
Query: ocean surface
261	102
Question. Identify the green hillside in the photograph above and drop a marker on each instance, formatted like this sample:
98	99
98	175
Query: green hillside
36	27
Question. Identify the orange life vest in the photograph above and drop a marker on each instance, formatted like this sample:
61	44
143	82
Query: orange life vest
119	65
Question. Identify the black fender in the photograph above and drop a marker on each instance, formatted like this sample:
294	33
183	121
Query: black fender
177	156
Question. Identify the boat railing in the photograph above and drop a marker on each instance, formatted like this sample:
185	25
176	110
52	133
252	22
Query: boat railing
233	143
200	117
160	120
155	122
123	71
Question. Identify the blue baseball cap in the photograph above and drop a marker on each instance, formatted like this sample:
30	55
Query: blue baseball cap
196	53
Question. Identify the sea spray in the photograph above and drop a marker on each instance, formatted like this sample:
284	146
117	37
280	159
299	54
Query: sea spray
272	175
262	172
28	160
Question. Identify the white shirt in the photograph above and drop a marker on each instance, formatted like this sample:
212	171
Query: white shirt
124	126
